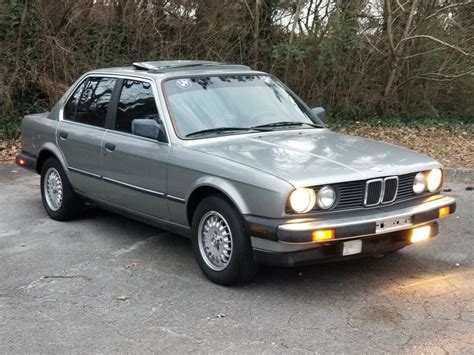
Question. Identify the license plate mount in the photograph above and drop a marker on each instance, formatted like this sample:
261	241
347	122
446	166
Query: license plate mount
352	247
393	224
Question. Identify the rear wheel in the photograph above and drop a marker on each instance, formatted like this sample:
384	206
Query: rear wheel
220	242
59	199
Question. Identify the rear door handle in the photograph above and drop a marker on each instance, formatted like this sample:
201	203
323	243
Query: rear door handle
63	135
110	146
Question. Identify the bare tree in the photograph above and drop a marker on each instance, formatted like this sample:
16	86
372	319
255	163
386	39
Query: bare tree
356	57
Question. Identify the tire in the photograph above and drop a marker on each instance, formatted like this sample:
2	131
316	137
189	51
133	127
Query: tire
70	205
240	267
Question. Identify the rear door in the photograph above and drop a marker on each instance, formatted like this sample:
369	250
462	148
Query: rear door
81	131
134	167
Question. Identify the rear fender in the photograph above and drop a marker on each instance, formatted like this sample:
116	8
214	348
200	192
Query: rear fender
54	150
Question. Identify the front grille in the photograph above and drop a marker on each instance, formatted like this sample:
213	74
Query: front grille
390	192
351	195
405	187
373	192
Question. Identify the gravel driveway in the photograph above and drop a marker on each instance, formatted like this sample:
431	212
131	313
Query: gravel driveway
108	284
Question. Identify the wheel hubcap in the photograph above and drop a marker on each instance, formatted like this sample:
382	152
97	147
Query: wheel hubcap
215	240
53	189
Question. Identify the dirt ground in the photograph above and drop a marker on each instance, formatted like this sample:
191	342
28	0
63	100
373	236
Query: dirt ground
107	284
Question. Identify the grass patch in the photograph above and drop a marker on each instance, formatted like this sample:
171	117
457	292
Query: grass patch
10	122
10	125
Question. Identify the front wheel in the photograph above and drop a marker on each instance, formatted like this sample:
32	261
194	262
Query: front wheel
59	199
221	244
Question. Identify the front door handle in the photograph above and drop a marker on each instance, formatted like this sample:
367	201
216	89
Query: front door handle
110	146
63	135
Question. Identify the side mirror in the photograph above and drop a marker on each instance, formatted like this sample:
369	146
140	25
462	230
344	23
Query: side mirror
148	128
319	112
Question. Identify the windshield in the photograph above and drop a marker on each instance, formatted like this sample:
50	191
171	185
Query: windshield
232	104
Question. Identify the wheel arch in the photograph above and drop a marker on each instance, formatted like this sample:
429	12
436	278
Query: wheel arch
48	151
229	192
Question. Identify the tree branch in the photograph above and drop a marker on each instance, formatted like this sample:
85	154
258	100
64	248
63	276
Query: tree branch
372	45
435	40
388	22
440	78
448	7
423	53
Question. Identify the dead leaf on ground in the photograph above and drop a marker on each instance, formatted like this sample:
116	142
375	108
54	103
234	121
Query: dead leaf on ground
130	266
9	150
454	148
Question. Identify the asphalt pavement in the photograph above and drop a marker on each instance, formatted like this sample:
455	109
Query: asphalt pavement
106	283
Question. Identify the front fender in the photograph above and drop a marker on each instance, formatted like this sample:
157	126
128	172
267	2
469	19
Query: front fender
253	192
226	188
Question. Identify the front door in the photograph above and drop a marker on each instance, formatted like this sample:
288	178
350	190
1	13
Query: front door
134	167
81	131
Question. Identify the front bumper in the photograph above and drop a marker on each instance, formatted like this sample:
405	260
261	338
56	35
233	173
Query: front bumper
333	251
289	242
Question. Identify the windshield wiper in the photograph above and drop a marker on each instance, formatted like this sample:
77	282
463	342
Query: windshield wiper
286	124
219	130
260	128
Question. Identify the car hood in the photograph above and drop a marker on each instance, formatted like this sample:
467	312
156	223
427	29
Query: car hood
315	156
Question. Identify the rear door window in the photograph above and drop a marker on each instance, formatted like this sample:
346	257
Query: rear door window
71	104
90	103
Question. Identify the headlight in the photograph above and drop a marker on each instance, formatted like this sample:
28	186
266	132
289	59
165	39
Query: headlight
326	197
434	179
302	200
419	184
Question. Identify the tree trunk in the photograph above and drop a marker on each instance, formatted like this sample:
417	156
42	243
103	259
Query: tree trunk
292	35
256	32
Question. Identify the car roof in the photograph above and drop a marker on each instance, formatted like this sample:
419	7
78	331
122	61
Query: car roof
169	68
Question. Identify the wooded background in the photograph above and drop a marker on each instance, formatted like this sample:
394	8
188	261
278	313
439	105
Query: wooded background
361	59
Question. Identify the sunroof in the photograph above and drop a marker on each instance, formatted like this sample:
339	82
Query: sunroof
170	65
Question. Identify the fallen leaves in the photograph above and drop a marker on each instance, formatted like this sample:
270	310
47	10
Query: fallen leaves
9	150
453	148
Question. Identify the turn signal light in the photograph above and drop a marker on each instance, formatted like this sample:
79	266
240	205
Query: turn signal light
420	233
20	162
323	234
444	211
